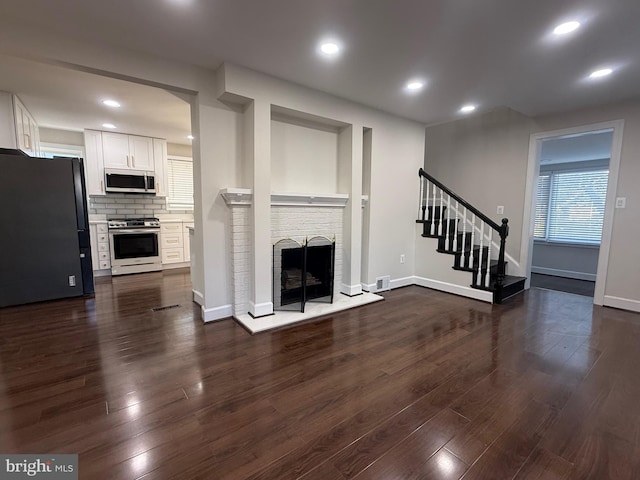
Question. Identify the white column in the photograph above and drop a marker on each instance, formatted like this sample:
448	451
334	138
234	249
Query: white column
350	182
258	119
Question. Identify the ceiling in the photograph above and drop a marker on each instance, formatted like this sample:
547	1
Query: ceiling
492	53
71	100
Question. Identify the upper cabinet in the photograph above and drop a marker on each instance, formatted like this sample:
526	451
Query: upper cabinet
123	152
27	133
127	151
18	129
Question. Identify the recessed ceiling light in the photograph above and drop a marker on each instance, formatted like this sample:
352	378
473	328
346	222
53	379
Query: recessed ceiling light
566	27
111	103
415	85
108	125
190	137
467	108
603	72
330	48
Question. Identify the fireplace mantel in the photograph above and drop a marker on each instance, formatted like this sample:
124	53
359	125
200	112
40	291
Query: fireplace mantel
244	196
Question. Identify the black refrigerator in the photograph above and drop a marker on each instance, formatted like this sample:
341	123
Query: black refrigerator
44	241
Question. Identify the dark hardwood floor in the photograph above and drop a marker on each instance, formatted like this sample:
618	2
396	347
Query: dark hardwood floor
424	385
562	284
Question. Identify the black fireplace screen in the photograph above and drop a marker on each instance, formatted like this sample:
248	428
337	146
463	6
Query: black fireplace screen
302	273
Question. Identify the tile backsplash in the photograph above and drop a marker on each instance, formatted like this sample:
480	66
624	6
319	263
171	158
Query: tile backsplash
123	205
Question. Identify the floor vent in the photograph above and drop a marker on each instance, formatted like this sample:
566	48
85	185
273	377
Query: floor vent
167	307
383	283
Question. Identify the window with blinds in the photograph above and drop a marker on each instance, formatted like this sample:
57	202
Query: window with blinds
570	206
180	178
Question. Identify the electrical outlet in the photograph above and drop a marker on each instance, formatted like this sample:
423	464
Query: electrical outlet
500	210
72	280
402	258
621	202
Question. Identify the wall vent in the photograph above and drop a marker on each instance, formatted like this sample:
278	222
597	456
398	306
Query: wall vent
383	283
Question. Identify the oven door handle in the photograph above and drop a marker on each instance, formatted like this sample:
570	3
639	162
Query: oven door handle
126	232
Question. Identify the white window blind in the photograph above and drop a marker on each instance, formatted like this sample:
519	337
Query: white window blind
574	203
180	177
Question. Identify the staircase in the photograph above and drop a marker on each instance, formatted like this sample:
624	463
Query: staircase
467	235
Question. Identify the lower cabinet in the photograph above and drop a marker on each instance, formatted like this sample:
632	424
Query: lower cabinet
172	241
100	256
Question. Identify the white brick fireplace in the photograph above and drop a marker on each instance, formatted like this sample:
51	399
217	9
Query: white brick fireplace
292	216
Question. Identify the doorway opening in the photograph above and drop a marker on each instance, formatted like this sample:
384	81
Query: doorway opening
571	185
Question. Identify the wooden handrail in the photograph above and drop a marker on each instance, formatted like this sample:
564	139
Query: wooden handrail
461	200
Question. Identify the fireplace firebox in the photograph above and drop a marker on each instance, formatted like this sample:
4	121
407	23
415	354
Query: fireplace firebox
302	272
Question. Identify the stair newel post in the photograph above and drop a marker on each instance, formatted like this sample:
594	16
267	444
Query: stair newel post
472	255
488	274
422	205
504	233
447	237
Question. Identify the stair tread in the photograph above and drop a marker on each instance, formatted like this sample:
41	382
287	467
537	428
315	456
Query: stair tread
511	279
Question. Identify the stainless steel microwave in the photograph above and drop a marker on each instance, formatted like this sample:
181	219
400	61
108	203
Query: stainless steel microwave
129	181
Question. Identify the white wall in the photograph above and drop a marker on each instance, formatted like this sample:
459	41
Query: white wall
484	160
304	159
63	137
179	149
396	155
563	260
623	275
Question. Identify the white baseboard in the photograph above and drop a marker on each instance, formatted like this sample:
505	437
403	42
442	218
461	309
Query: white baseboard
564	273
455	289
198	297
622	303
368	287
171	266
351	290
216	313
260	309
401	282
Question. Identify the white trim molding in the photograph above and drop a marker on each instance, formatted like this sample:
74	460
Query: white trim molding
351	290
468	292
622	303
591	277
198	297
216	313
533	169
368	287
260	309
401	282
244	196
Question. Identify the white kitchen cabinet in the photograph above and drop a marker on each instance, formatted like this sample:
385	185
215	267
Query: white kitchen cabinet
160	162
185	240
27	133
100	254
18	129
94	162
127	151
141	152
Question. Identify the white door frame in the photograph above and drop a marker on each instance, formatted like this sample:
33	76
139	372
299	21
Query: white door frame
533	170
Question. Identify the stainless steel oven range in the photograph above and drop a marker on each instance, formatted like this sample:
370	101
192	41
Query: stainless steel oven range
135	245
